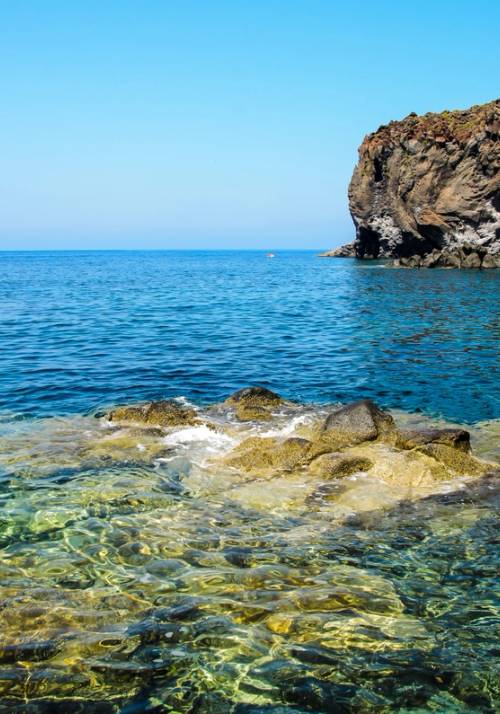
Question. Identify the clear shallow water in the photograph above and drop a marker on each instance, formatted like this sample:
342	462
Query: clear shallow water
79	330
139	574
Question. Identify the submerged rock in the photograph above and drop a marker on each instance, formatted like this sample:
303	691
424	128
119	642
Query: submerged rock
455	459
262	453
254	403
338	465
319	695
426	190
165	412
130	444
402	468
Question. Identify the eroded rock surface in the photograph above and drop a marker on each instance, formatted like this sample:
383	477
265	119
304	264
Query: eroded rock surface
261	454
426	190
338	465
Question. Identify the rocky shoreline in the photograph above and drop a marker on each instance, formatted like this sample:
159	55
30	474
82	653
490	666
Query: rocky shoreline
426	191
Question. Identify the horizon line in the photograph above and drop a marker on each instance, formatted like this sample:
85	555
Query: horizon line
162	250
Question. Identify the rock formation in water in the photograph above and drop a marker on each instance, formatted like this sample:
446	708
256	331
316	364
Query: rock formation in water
426	191
166	412
358	438
343	251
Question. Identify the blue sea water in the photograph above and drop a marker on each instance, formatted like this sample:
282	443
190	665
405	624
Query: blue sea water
141	571
81	330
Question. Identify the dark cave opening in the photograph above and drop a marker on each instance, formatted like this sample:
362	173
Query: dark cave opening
378	171
368	243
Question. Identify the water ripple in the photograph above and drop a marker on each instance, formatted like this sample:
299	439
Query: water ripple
79	330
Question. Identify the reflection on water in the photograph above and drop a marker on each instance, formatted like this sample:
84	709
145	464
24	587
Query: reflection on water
139	573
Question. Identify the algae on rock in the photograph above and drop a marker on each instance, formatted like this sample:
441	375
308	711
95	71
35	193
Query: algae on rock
164	413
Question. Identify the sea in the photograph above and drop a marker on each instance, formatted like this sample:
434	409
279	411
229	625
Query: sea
81	330
140	573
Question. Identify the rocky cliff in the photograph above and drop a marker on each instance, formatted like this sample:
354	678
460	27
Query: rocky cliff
426	190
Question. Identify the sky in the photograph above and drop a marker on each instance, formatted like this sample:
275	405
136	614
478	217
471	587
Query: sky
215	123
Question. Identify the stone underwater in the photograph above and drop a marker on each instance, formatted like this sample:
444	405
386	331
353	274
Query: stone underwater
254	555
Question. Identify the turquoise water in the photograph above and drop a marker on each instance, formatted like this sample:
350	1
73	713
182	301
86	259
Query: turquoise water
140	573
82	330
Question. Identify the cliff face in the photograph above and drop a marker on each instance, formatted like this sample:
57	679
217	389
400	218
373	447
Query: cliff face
426	190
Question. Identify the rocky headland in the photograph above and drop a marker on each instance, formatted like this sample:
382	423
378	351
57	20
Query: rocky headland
426	191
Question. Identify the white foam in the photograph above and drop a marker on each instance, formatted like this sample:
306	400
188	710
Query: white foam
202	436
289	428
184	401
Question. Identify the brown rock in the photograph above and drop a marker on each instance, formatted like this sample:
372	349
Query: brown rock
338	465
432	260
355	423
164	413
471	261
456	438
455	459
451	260
264	453
430	184
254	403
491	261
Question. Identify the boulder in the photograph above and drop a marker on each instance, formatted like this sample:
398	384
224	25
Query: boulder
451	260
491	261
254	403
165	413
355	423
471	261
432	260
456	438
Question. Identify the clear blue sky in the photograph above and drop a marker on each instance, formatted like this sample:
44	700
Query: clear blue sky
215	123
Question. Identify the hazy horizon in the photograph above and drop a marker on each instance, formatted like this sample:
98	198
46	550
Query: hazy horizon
159	250
218	126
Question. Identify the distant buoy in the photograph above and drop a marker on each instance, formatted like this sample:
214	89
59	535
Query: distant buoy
270	255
